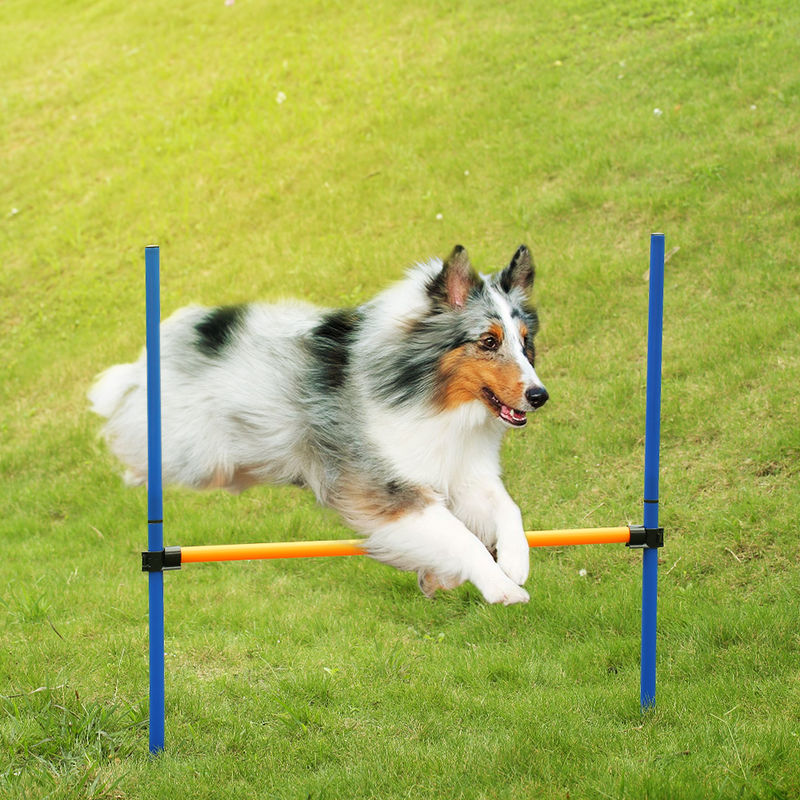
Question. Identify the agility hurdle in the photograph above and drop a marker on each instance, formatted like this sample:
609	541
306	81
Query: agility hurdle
648	537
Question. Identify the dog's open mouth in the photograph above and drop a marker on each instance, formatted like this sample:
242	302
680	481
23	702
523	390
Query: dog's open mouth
510	415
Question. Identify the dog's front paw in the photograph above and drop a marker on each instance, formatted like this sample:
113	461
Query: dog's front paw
513	557
502	590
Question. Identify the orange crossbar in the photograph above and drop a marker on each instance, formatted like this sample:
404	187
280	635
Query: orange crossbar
241	552
578	536
352	547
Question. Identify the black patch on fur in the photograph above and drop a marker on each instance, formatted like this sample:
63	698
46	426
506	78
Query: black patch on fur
528	315
402	497
412	372
329	344
216	329
530	351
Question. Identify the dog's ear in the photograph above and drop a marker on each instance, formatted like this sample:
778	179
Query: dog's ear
519	273
451	287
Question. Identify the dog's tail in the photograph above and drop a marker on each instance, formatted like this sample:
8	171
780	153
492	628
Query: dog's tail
111	387
118	395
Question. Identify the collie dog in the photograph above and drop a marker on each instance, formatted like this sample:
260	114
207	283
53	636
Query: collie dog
392	413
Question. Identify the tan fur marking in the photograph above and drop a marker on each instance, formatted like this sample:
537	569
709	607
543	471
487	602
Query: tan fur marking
362	504
464	373
234	480
496	331
429	583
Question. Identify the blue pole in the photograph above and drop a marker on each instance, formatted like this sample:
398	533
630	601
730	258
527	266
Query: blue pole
155	533
651	460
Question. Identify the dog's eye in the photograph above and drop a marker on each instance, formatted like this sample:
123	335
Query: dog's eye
489	342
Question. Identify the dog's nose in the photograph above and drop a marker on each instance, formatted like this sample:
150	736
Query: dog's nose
537	396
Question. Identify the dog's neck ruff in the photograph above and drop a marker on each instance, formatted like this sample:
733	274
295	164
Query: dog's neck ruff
435	448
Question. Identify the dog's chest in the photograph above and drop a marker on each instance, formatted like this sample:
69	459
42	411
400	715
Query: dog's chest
437	451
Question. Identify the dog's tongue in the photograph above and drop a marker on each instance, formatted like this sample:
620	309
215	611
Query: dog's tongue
512	416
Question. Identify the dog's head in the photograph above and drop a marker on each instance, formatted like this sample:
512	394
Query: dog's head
491	358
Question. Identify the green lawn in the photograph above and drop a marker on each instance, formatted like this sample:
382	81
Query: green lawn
317	150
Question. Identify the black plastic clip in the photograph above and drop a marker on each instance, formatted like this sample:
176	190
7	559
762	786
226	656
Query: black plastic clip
159	560
645	538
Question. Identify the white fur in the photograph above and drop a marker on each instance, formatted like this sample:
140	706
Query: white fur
456	453
435	540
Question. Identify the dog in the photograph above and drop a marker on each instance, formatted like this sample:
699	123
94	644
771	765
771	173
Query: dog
391	412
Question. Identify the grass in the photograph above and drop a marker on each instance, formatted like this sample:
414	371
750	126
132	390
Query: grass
403	129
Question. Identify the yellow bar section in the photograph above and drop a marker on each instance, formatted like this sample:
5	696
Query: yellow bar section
352	547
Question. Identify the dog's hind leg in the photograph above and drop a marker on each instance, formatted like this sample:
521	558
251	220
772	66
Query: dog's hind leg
432	540
429	583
